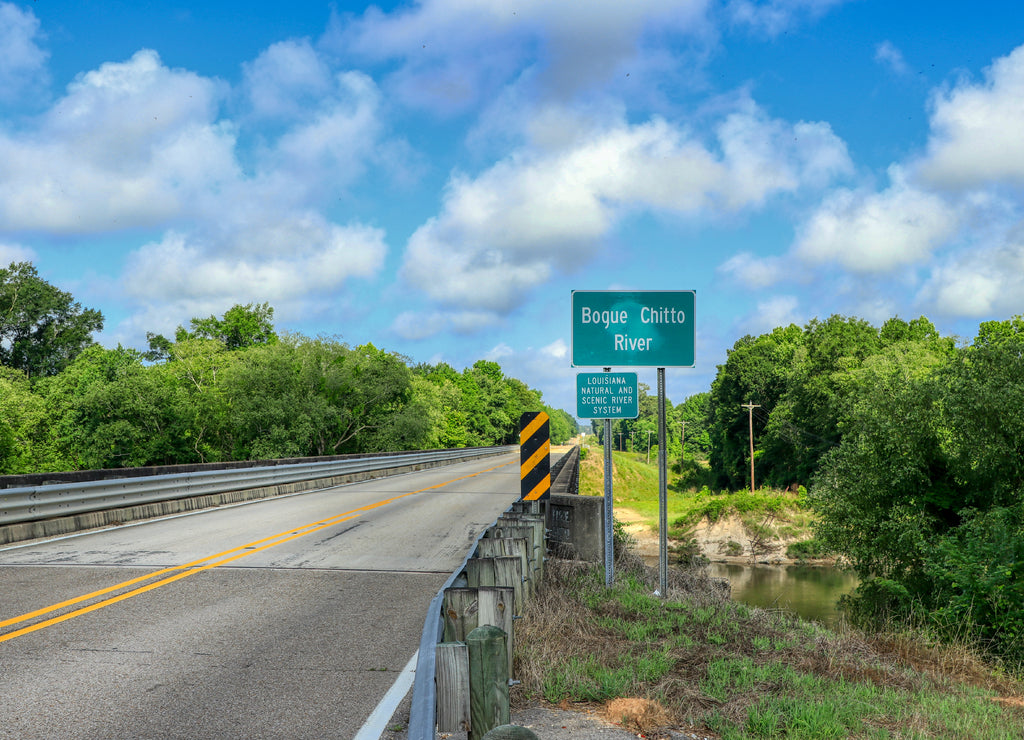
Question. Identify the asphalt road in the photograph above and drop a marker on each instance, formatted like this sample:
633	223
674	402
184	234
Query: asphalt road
285	618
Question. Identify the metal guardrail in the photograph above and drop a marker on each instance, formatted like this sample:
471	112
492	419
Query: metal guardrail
32	503
423	709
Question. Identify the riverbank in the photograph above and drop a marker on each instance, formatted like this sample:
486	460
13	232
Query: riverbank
727	540
696	664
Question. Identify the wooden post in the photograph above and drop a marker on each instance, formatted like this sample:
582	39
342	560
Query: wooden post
750	408
496	547
488	680
533	531
508	572
451	675
480	572
460	613
496	605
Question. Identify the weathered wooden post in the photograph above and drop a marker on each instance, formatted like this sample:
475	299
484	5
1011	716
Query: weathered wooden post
496	547
451	676
508	572
480	572
534	535
495	607
465	609
488	680
460	610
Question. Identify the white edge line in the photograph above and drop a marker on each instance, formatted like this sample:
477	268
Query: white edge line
376	723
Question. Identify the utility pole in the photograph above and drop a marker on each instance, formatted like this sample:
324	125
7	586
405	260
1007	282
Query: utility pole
750	408
682	446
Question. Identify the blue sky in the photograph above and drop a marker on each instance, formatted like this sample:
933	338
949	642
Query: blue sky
437	176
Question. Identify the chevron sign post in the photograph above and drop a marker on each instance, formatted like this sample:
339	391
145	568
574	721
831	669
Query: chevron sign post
534	464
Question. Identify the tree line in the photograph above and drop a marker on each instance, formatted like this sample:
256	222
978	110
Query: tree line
912	445
226	388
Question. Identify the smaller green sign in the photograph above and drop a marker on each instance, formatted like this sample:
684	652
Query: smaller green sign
607	396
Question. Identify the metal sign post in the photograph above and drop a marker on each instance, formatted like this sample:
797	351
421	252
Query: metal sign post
607	396
640	328
609	532
662	489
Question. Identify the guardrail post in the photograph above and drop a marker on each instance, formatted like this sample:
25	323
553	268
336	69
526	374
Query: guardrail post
452	679
488	680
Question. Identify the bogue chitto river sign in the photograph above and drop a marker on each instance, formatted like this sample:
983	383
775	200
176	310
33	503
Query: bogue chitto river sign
641	328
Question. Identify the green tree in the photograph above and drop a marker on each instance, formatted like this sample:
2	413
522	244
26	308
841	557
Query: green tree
885	489
250	325
488	403
925	491
42	328
26	441
133	416
695	412
757	370
443	401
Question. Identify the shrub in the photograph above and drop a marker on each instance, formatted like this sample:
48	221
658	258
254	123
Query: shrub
810	549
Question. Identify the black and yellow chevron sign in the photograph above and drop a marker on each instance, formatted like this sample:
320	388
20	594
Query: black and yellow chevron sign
534	465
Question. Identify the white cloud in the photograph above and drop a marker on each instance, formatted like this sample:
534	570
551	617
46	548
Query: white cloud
423	325
976	129
130	144
498	352
780	310
772	17
419	324
307	258
878	232
886	53
752	271
335	142
558	349
319	256
15	253
978	283
287	79
544	211
22	61
453	51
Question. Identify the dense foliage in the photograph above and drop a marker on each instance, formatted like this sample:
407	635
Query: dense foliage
686	426
41	328
229	388
914	449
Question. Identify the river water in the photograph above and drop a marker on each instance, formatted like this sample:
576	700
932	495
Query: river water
808	590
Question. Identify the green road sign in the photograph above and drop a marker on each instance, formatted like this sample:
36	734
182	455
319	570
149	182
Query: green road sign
640	328
607	396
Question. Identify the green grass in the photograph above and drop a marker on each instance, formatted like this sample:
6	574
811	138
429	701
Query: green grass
737	671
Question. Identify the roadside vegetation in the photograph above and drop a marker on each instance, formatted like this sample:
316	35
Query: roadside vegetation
226	388
727	670
710	665
909	445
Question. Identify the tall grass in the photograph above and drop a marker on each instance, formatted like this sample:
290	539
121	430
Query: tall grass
741	672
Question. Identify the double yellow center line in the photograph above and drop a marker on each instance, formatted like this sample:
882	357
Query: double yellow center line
178	572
